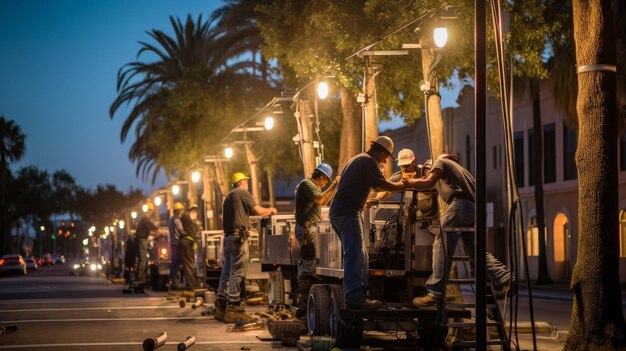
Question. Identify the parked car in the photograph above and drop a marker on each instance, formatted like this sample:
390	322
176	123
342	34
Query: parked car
85	267
13	263
31	263
58	259
46	260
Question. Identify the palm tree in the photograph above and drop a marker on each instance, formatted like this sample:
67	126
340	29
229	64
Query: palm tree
12	149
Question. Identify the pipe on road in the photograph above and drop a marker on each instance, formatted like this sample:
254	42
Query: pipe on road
154	343
187	343
5	329
199	302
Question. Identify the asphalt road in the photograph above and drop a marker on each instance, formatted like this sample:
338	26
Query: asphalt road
55	311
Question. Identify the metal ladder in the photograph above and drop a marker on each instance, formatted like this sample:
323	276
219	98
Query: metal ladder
455	340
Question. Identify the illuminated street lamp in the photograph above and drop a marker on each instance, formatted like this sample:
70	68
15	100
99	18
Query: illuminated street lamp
121	224
440	36
92	228
144	208
195	176
42	228
228	152
269	123
86	241
133	215
157	201
175	189
322	90
106	230
111	229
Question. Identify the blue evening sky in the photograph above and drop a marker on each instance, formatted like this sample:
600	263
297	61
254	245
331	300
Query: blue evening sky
58	65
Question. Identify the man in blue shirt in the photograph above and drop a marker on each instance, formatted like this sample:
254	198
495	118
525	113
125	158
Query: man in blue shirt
361	175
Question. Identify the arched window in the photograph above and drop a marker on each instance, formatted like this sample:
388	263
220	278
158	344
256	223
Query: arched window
622	233
532	238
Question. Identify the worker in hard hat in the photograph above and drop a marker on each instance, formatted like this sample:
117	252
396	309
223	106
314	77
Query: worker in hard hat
145	228
237	208
187	246
175	228
456	187
408	169
360	175
309	199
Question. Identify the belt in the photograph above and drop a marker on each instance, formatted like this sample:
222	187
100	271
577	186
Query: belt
236	231
461	196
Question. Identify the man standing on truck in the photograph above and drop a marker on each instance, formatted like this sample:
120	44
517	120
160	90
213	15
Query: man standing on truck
360	175
456	186
309	199
237	208
175	228
145	228
187	246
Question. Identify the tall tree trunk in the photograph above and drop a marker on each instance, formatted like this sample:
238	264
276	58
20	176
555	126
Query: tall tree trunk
371	108
597	321
433	104
270	186
543	277
207	197
306	134
350	130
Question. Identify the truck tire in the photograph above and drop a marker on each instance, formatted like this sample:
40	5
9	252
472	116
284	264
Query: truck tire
348	334
317	312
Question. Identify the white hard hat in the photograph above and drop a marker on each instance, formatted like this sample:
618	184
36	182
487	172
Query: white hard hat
385	142
405	157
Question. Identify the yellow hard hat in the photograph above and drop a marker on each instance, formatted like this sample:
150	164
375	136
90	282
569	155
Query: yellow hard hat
178	206
237	177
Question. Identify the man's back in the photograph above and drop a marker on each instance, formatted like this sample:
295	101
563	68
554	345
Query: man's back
237	207
455	181
360	175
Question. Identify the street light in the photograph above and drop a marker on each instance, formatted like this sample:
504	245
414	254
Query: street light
175	189
92	228
228	153
42	228
121	224
144	208
269	123
440	36
195	176
322	90
157	201
106	230
111	229
133	215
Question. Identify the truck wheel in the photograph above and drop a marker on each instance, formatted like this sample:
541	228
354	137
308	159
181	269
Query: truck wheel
347	334
317	312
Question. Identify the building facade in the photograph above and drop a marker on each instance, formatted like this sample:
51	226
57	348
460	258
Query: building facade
559	176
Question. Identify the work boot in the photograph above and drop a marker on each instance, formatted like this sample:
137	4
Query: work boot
429	299
220	309
235	313
364	304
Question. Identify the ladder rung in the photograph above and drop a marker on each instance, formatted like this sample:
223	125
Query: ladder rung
457	229
460	258
461	281
468	324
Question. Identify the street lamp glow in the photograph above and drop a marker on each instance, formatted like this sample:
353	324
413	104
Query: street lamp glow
42	228
322	90
175	189
269	123
441	36
90	234
144	208
195	176
106	230
133	215
85	242
93	228
228	152
111	229
157	201
121	224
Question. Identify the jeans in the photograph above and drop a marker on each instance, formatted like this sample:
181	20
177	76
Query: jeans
142	258
188	260
175	265
355	258
234	268
306	264
460	214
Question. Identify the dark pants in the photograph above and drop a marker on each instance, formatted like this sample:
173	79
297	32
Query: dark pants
175	265
187	259
142	258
